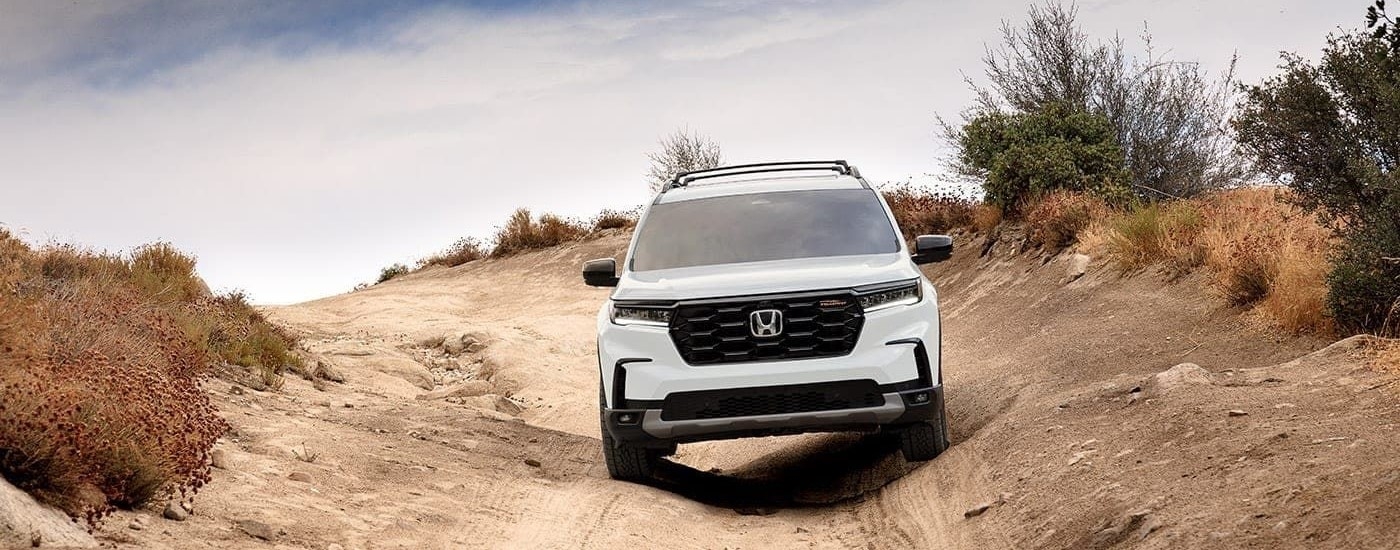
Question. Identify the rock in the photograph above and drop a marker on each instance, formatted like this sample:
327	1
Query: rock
257	529
137	523
468	388
23	522
979	509
218	458
175	511
1078	266
507	406
327	370
453	345
1182	375
301	477
1237	412
463	342
532	463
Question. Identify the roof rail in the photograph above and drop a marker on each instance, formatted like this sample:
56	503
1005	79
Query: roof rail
839	166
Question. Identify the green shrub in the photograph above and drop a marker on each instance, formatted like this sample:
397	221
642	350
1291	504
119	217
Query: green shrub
1364	284
1332	132
1169	117
1021	156
391	272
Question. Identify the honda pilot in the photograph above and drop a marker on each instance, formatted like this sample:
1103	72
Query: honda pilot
768	299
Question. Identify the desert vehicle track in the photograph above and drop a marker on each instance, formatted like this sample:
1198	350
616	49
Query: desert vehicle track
1073	426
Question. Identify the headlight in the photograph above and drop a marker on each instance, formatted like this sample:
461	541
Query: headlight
647	316
886	299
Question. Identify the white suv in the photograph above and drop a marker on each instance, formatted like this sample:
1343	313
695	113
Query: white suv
768	299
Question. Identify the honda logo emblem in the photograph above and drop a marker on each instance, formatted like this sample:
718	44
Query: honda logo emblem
766	323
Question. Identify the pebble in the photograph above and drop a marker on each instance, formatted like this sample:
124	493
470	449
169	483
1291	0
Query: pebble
257	529
175	511
532	462
218	458
301	476
137	524
1237	412
978	510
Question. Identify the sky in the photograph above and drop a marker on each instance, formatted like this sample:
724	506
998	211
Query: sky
297	147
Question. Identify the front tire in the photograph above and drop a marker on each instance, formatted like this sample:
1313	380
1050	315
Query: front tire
925	440
625	462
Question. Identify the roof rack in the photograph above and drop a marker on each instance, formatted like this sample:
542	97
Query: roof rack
839	166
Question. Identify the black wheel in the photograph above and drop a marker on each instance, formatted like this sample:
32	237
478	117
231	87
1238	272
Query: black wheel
626	462
925	440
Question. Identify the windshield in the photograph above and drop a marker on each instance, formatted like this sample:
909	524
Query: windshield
763	226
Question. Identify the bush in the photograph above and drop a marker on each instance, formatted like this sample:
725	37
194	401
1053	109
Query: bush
923	211
165	273
1158	234
101	358
1332	132
1021	156
1387	356
466	249
1259	249
241	335
391	272
1168	118
523	233
682	151
985	217
1055	220
613	219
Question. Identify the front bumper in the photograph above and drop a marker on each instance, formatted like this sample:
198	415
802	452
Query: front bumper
646	428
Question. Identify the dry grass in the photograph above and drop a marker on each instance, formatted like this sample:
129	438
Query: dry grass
523	232
1164	234
101	358
615	219
924	211
466	249
1260	251
985	217
1056	219
1386	357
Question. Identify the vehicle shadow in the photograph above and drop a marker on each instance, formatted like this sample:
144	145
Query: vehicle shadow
816	472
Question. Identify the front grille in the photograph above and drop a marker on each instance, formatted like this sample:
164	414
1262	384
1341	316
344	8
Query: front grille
825	325
826	396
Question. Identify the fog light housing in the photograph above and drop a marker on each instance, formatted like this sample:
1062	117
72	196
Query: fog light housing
628	418
917	398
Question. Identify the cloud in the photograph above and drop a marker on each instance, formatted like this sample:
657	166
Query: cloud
296	158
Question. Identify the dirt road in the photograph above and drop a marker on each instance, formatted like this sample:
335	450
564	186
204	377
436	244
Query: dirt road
1071	428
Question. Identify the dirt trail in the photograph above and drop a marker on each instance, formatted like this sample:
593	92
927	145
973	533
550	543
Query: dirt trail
491	442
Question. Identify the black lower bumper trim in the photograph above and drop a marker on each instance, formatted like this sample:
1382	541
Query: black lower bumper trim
915	410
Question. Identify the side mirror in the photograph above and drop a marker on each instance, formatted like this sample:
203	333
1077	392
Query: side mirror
932	248
600	272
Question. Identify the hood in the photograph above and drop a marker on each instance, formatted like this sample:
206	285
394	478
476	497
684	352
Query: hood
718	281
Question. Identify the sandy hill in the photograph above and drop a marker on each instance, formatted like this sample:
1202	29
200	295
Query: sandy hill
1087	411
